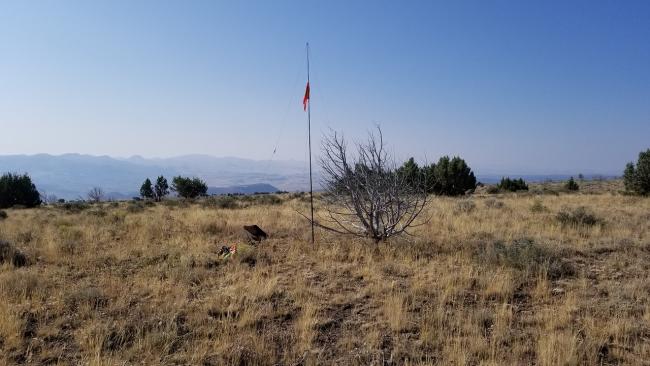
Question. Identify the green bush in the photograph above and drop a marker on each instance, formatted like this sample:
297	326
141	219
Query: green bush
449	177
571	185
189	187
18	190
637	177
512	185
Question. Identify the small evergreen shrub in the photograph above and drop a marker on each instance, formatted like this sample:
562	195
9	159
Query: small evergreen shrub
571	185
512	185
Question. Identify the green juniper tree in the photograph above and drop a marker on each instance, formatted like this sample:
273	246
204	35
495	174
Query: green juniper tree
452	177
161	189
16	189
637	177
512	185
146	190
411	174
189	187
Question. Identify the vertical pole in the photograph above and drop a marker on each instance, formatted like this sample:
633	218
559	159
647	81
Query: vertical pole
311	187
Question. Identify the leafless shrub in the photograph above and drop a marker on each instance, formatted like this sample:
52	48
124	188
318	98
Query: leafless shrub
363	194
96	194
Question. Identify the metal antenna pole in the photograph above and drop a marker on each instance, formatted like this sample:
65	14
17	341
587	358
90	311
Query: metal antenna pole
311	186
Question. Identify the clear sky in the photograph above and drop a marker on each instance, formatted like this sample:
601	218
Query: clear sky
511	86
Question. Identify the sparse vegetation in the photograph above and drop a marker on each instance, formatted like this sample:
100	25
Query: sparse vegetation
488	287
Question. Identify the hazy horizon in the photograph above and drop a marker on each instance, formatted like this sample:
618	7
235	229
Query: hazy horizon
480	170
513	88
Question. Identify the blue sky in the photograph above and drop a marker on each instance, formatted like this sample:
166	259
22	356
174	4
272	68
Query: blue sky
511	86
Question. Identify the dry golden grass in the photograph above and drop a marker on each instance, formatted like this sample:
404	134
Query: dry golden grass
498	283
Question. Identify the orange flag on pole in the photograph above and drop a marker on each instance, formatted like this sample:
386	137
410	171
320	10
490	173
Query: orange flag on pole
305	100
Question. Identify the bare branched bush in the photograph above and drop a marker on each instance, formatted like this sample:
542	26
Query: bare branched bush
364	196
96	194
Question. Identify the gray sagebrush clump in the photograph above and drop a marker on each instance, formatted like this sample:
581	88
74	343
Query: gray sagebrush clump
528	256
579	216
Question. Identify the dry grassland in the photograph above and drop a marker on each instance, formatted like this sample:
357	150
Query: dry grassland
489	280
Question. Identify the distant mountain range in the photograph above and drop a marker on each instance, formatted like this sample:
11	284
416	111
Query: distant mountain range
70	176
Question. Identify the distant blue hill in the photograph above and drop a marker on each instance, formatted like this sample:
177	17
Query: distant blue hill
243	189
538	178
71	176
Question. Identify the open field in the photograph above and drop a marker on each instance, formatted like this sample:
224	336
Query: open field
489	280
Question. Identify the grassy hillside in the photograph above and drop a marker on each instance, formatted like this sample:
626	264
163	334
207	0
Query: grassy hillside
490	280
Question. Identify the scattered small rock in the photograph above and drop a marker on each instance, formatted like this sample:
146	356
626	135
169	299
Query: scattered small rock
558	291
256	233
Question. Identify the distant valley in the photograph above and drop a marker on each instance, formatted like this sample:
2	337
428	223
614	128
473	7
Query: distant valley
70	176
